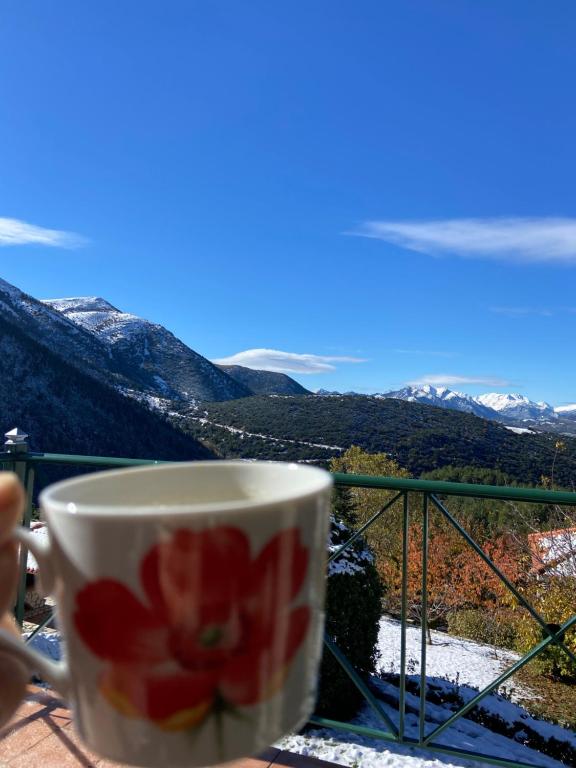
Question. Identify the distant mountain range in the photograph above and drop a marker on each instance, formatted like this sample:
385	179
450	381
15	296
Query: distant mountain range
490	406
506	408
147	359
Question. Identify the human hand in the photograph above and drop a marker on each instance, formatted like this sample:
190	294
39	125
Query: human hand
13	674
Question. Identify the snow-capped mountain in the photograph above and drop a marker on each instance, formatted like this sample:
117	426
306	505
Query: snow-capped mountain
56	332
441	397
147	354
56	386
566	410
517	406
493	405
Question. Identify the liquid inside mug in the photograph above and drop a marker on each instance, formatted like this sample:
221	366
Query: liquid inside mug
191	602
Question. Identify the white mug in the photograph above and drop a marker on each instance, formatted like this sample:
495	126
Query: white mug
191	601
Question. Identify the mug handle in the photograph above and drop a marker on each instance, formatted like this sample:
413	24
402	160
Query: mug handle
56	673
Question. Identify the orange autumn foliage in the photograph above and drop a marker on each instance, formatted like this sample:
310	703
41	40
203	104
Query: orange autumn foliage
457	576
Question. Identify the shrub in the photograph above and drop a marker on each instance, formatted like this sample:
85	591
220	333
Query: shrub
554	598
353	610
495	627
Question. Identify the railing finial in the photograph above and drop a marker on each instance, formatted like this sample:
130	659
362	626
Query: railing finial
16	441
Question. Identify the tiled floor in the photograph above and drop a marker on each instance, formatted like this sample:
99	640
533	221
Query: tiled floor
41	735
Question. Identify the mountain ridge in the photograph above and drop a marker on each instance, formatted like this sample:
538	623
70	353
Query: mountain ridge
265	382
157	360
64	410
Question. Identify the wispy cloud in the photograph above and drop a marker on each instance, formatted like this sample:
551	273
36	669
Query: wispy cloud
527	240
525	311
451	380
17	232
286	362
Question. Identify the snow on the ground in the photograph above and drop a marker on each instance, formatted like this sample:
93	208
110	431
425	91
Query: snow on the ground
47	643
461	661
366	752
359	752
39	530
353	559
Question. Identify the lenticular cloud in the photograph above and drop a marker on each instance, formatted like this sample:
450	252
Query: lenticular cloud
544	239
286	362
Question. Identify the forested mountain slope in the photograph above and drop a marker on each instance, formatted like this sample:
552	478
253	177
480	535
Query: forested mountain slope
66	411
420	437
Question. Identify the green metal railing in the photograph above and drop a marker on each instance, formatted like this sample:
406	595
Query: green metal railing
430	495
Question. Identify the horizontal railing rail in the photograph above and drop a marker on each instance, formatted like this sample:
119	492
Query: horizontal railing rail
417	499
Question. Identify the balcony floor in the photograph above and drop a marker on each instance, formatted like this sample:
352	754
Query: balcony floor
41	733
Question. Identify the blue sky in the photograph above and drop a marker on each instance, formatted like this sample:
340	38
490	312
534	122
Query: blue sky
385	188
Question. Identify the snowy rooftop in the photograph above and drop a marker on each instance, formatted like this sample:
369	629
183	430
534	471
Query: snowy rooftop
554	552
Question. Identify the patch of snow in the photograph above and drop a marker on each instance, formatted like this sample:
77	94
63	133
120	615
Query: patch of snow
244	433
47	643
162	385
554	551
467	662
515	405
154	402
354	558
41	531
520	430
99	317
80	304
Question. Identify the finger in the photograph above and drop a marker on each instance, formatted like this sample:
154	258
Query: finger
11	503
13	676
8	575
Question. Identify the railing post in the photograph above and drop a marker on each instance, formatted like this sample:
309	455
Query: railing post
16	444
403	616
424	618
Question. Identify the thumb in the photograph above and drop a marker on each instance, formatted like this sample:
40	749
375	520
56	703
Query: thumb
12	499
8	575
13	675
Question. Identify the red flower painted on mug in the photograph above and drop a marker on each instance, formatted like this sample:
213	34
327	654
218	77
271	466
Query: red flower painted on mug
217	629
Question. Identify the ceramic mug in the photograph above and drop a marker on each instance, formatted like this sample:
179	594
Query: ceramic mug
190	598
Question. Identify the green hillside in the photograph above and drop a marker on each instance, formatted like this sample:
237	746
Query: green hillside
422	438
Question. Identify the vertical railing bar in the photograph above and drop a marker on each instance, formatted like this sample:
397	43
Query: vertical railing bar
424	616
28	482
403	618
521	599
361	530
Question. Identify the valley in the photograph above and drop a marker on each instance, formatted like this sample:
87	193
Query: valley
73	362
